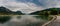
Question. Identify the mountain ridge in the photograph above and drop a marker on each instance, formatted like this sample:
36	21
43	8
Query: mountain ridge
51	11
6	11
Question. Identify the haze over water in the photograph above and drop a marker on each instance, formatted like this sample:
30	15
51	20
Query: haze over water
24	20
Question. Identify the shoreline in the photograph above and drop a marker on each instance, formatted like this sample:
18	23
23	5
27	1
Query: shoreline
54	18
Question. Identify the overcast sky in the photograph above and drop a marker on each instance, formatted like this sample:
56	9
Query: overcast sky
28	6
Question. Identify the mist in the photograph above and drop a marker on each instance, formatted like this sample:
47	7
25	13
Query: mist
23	21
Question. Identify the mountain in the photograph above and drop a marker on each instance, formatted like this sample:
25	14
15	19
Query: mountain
6	11
49	11
18	13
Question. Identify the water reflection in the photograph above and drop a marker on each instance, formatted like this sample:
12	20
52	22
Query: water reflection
4	19
22	20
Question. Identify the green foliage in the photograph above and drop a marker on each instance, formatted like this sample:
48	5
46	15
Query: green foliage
50	11
6	11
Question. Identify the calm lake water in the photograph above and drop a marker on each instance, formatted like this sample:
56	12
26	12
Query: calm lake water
23	20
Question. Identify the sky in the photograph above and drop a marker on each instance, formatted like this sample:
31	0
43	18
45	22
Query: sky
28	6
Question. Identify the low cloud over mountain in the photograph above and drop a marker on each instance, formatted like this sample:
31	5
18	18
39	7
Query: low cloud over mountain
28	6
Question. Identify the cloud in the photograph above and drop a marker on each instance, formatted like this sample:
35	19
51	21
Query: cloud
50	3
28	6
21	6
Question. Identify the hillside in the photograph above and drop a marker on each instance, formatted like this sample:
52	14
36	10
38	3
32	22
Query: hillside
50	11
6	11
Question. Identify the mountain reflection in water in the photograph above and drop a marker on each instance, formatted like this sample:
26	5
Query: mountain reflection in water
22	20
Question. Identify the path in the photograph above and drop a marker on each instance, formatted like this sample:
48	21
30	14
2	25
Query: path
56	22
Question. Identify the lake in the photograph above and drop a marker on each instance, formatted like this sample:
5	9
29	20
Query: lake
23	20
